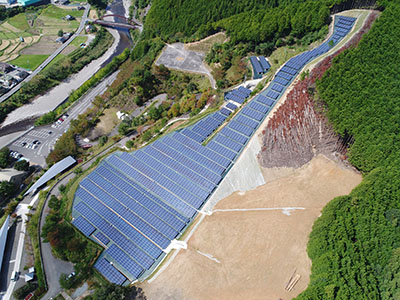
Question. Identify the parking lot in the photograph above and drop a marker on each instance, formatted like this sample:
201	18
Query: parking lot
36	144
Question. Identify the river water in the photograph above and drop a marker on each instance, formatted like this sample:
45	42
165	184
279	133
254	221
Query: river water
23	117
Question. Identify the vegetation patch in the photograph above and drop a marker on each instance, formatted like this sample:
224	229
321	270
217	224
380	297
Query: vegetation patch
29	61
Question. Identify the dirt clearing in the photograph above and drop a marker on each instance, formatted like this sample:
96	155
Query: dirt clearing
254	254
205	45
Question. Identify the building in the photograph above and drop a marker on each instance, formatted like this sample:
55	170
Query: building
7	81
28	2
6	2
12	175
64	38
69	18
3	239
5	67
260	66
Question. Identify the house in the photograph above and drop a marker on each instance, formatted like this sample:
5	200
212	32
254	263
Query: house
121	115
12	175
69	18
5	67
7	81
64	38
89	28
21	75
30	275
6	2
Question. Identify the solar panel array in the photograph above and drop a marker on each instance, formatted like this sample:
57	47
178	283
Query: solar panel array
238	95
135	204
260	65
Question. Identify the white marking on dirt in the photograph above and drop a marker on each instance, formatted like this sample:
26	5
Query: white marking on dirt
285	210
209	256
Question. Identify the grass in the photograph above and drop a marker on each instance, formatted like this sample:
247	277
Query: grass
19	21
29	61
55	12
79	40
58	58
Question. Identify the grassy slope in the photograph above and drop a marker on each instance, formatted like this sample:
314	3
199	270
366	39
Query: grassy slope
29	61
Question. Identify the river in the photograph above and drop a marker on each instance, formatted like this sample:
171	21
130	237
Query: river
23	117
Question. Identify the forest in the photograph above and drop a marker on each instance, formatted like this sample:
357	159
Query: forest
355	244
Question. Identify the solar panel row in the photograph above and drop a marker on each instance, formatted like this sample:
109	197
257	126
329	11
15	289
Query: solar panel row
109	271
135	204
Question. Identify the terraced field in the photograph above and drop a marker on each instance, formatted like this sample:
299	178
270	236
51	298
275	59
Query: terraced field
28	38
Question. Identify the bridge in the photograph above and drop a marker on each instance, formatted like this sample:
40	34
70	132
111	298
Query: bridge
130	24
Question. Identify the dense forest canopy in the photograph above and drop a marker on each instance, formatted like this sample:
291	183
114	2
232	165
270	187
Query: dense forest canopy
355	244
247	20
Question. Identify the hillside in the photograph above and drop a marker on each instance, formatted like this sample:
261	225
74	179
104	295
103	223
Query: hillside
249	20
354	245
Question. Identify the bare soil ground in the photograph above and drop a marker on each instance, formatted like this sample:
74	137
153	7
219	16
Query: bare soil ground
205	44
252	254
46	45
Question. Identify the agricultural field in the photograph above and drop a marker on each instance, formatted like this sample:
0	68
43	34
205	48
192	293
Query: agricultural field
27	39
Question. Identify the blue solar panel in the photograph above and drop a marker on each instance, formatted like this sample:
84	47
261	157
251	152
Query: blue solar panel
137	203
102	219
252	114
202	150
228	143
131	210
241	128
281	81
220	117
154	187
284	75
109	271
247	121
124	260
101	237
172	216
264	100
256	65
277	87
162	180
231	106
180	168
259	107
237	137
191	164
264	63
288	70
221	150
192	135
225	111
244	90
84	226
273	95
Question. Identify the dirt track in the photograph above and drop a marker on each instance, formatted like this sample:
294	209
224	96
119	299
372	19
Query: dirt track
252	254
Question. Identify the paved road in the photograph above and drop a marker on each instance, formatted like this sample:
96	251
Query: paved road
50	58
47	139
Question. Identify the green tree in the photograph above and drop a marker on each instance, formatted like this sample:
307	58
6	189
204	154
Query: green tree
4	157
103	140
60	33
7	189
21	165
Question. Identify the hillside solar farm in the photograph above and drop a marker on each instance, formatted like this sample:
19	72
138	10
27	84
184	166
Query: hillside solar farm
135	204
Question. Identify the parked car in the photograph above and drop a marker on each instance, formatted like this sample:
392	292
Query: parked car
15	276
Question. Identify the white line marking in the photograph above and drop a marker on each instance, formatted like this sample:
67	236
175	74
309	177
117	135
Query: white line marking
285	210
209	256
